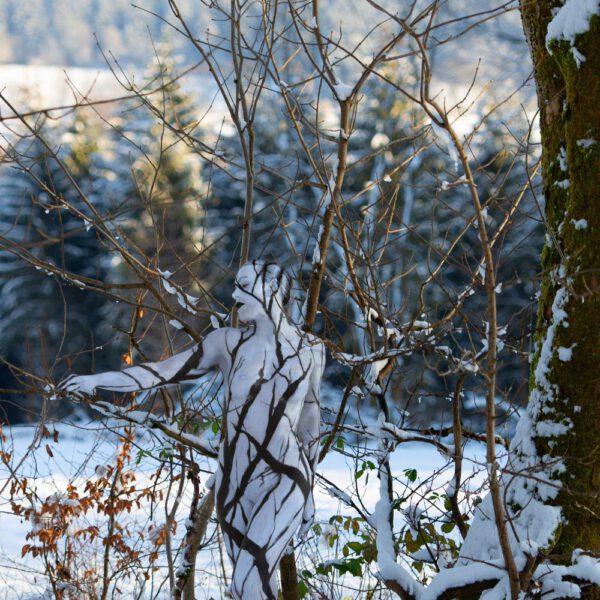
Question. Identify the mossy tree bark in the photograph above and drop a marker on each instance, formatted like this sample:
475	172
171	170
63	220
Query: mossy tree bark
568	96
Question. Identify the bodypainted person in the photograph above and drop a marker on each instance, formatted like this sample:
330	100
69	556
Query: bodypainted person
268	454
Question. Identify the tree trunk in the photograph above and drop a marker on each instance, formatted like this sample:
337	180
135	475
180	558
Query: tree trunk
289	577
568	96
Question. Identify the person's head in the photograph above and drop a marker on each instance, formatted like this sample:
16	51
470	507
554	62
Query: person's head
262	289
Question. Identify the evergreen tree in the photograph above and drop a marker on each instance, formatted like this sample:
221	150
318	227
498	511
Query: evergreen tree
46	314
150	175
284	205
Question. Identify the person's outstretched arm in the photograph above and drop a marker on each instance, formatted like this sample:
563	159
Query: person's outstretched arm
181	367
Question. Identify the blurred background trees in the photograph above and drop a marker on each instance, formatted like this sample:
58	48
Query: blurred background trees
171	187
122	227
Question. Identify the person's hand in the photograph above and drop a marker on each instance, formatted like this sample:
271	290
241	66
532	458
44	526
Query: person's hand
80	387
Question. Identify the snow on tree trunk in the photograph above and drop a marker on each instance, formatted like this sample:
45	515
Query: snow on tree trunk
564	39
552	474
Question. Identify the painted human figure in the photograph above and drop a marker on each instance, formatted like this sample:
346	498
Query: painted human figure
268	455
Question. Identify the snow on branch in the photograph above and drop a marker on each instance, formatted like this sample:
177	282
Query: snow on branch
459	581
561	581
356	360
384	430
395	575
187	302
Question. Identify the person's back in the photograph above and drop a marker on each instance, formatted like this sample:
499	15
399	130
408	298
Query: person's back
265	390
269	448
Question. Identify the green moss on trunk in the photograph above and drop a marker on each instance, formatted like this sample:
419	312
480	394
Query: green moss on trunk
569	118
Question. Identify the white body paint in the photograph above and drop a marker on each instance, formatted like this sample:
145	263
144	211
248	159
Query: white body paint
268	455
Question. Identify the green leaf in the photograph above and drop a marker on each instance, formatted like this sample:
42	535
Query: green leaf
140	455
370	552
448	527
356	547
365	465
216	427
302	589
350	565
166	454
411	474
398	502
412	545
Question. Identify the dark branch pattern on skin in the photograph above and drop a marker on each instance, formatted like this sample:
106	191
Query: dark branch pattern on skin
269	450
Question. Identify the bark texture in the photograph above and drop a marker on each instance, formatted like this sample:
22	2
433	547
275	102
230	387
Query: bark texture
569	120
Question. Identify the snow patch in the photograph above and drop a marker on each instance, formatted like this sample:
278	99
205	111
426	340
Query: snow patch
389	569
379	140
565	354
571	20
441	134
586	143
579	224
343	91
562	159
565	184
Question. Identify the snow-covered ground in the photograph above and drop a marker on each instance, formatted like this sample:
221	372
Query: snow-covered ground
49	86
84	445
37	87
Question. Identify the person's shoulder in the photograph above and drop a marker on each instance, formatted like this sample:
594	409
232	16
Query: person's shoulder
218	345
228	335
217	338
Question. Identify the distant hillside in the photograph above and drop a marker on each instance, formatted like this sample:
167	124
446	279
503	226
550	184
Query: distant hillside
76	33
63	32
68	32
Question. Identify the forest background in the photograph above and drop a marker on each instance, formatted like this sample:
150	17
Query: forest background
393	163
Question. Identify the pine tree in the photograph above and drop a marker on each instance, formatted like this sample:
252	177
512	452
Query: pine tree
150	174
48	240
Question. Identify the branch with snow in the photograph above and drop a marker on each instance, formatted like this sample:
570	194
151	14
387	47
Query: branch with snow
384	430
187	302
395	576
